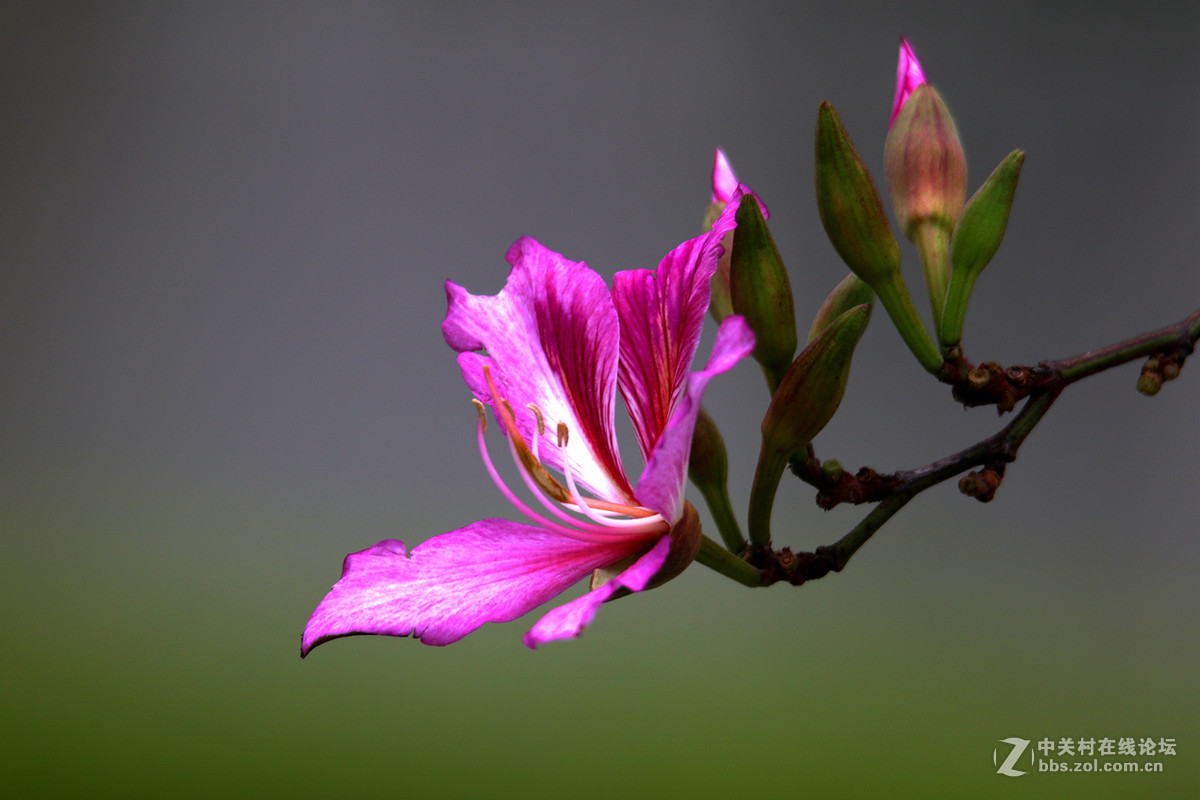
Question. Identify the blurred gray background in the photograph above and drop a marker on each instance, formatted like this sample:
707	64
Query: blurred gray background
224	231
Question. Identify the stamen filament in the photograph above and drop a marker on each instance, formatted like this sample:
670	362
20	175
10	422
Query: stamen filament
535	490
533	516
508	421
650	524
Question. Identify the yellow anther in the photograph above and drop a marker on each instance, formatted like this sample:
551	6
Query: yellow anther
537	412
531	464
482	415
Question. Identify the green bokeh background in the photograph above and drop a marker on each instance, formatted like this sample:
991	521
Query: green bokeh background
223	235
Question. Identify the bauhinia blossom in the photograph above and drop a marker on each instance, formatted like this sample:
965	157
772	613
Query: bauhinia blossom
909	76
547	355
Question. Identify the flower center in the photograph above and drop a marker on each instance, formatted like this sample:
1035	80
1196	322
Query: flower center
579	516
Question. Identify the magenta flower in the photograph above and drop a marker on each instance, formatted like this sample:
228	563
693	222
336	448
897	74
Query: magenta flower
724	181
547	354
909	76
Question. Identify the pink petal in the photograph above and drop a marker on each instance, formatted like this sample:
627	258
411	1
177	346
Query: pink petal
724	181
909	76
661	486
551	339
490	571
571	618
661	315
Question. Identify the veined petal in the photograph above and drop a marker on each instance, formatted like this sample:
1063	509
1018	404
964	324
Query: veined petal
571	618
493	570
661	486
551	339
661	314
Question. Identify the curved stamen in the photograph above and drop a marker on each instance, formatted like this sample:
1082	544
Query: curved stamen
536	491
605	515
541	429
508	421
651	524
533	516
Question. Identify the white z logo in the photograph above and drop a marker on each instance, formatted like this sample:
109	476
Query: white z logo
1018	749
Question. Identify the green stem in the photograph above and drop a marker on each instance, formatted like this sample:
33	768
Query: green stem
717	498
1182	334
718	559
771	464
933	247
899	305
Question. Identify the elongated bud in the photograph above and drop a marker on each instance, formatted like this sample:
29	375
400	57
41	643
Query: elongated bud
847	294
924	163
708	465
977	236
854	219
849	204
812	389
708	468
805	401
761	292
927	177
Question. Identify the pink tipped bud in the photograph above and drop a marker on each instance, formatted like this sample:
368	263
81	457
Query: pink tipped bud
724	182
909	76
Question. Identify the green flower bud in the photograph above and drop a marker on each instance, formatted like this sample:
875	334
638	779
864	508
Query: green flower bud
805	401
854	219
977	236
847	294
708	468
849	204
812	389
761	292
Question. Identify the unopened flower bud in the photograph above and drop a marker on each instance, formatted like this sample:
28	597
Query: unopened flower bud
708	465
761	292
847	294
849	204
805	401
855	222
977	236
924	164
708	468
927	178
812	389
